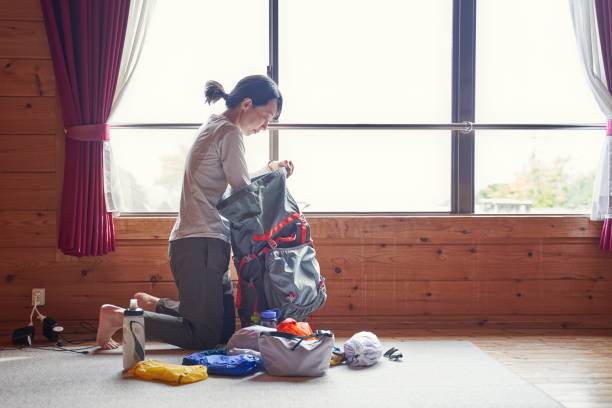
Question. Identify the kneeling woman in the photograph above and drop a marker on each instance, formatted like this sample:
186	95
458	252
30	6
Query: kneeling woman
199	249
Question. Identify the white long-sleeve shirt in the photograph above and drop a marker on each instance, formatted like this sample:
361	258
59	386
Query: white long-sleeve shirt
216	159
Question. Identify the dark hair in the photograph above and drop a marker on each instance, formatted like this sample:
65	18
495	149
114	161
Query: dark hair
259	88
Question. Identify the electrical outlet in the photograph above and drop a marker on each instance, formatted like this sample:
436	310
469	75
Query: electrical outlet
38	296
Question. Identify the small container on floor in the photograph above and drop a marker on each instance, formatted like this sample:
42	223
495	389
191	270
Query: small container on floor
133	335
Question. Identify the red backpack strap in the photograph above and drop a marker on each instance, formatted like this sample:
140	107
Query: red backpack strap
268	235
238	295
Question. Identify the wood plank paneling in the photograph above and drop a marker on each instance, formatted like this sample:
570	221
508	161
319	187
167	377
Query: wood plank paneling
587	261
400	323
20	10
432	289
157	228
28	200
27	153
27	229
464	262
26	78
82	301
39	266
459	230
23	39
126	264
345	264
27	115
401	280
397	280
29	266
27	181
443	297
28	191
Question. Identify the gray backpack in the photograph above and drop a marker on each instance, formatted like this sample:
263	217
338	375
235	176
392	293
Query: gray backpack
273	253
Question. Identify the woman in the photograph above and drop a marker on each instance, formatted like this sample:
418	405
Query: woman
199	249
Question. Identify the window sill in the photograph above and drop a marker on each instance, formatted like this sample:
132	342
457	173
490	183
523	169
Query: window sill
341	227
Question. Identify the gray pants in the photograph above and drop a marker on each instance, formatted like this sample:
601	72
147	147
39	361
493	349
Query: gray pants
204	314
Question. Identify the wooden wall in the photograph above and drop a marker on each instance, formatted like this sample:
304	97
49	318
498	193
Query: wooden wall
382	272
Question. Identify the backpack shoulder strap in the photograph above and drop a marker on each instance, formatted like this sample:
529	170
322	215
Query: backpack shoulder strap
291	336
319	334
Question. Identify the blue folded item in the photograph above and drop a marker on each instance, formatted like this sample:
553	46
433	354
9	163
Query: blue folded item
211	352
236	366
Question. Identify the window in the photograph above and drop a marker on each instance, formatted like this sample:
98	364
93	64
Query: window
532	76
363	65
359	62
188	43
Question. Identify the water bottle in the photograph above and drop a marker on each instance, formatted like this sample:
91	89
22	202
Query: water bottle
133	335
269	318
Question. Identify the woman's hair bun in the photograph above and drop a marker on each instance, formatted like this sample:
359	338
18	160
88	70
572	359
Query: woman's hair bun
214	91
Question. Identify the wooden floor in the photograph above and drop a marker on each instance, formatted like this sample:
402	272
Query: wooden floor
574	367
574	370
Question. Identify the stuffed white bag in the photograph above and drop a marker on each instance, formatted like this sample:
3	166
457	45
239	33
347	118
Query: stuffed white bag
363	349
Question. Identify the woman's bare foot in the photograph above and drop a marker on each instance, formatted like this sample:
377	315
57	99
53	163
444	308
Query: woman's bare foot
111	320
146	302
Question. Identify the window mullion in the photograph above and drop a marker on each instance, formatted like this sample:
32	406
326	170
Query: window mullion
273	69
463	106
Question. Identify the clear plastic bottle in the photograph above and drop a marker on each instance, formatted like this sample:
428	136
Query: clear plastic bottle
133	335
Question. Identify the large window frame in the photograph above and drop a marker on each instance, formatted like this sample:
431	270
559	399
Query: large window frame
463	114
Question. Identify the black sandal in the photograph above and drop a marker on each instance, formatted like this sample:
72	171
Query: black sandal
393	354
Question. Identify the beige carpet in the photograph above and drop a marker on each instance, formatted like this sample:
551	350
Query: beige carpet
432	374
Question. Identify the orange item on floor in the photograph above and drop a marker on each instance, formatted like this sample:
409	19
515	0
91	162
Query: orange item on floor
289	325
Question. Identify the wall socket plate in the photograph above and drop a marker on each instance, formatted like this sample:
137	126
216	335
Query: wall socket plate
38	293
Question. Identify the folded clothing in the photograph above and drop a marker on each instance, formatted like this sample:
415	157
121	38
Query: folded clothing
236	366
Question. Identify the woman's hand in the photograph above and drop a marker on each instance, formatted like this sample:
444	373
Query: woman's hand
287	164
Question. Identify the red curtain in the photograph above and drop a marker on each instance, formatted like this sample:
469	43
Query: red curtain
603	10
86	41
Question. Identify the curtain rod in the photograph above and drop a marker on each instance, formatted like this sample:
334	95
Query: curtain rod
463	127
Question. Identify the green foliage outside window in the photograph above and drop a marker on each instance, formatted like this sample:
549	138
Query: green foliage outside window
546	186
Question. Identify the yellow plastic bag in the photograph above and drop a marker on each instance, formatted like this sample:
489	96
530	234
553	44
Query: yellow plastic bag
169	373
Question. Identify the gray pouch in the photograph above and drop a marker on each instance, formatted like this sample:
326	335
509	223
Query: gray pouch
247	337
289	355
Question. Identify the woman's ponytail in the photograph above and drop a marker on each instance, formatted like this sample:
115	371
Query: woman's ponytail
214	91
259	88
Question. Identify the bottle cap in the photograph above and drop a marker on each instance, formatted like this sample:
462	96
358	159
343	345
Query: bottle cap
133	310
268	314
